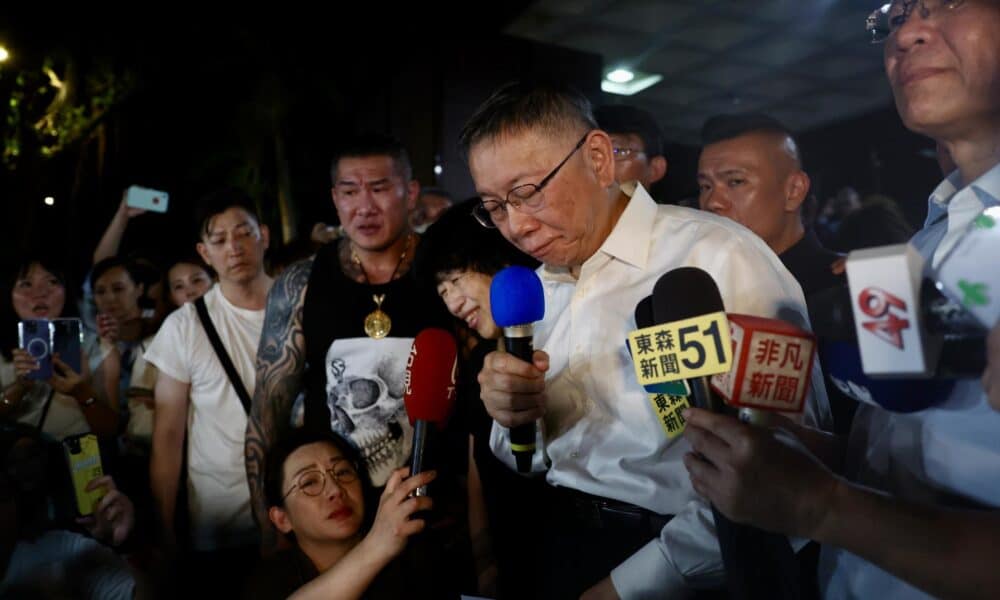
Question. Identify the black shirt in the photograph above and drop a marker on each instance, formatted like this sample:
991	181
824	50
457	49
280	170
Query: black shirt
354	383
809	263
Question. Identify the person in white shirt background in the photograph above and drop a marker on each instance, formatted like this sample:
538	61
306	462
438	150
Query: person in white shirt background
915	513
194	396
603	247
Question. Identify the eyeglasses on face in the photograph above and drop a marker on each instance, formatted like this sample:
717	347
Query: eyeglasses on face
884	21
313	482
491	213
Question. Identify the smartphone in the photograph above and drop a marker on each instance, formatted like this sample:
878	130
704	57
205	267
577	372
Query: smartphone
34	336
146	198
83	456
67	342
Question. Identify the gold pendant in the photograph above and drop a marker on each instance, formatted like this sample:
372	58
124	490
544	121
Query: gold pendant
377	323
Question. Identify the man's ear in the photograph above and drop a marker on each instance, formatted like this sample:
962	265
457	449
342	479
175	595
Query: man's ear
279	517
412	194
265	236
599	153
657	169
796	190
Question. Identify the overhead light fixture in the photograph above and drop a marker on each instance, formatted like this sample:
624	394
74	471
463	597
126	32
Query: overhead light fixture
620	76
627	82
4	55
49	201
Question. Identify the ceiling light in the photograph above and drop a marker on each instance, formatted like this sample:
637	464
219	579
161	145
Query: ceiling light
633	85
49	201
620	76
4	55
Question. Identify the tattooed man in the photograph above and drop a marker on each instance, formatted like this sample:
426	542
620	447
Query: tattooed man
339	326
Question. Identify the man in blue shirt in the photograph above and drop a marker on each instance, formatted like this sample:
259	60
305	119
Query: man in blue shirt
915	513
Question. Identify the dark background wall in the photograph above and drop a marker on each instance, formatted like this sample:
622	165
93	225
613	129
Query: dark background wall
261	100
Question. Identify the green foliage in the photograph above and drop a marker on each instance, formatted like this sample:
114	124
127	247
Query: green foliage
52	106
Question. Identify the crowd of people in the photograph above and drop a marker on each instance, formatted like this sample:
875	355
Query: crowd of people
254	439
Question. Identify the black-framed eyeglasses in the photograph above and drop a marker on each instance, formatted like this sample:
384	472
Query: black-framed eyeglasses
884	21
313	482
490	213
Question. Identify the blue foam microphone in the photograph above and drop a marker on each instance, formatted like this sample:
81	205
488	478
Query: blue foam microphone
517	301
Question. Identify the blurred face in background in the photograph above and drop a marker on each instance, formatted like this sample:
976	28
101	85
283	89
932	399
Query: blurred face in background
632	163
117	295
234	246
38	294
467	296
187	282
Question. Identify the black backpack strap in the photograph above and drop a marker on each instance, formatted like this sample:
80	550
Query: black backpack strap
220	351
45	409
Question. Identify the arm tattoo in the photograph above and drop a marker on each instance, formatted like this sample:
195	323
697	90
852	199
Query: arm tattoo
280	364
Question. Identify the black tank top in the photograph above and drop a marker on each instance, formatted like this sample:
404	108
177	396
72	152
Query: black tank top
354	384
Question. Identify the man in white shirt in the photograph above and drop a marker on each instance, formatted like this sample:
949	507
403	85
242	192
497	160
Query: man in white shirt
916	514
604	246
193	394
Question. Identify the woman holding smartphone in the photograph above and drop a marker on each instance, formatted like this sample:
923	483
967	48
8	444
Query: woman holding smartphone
66	403
121	372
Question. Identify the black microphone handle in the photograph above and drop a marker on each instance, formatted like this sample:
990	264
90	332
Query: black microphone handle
522	437
422	434
759	564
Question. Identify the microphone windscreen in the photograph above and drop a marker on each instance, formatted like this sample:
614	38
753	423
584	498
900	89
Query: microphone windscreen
842	362
516	297
644	313
430	376
684	293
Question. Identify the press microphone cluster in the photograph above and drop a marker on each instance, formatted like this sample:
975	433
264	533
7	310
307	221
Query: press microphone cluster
687	339
517	301
430	392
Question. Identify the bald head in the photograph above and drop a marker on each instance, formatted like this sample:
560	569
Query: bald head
756	179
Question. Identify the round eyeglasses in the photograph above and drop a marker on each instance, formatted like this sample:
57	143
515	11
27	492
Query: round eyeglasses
884	21
491	213
313	482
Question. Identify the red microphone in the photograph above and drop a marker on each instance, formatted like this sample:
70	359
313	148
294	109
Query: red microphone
772	365
430	391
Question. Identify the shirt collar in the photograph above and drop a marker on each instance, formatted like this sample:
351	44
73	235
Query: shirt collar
629	240
986	188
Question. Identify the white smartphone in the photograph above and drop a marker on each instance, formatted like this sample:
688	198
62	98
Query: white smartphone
146	198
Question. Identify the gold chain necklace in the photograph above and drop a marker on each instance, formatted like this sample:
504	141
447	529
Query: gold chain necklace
377	323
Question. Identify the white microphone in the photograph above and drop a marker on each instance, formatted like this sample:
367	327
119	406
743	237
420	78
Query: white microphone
885	297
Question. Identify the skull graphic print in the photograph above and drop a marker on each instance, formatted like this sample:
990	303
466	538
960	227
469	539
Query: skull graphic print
364	393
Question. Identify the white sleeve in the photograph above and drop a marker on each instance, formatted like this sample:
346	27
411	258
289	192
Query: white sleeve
170	349
685	557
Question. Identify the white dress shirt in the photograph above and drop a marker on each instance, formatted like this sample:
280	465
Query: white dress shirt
600	434
947	455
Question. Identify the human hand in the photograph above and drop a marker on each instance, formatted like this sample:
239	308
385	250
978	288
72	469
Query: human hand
393	526
602	590
752	477
64	379
114	514
24	363
513	390
129	211
108	328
